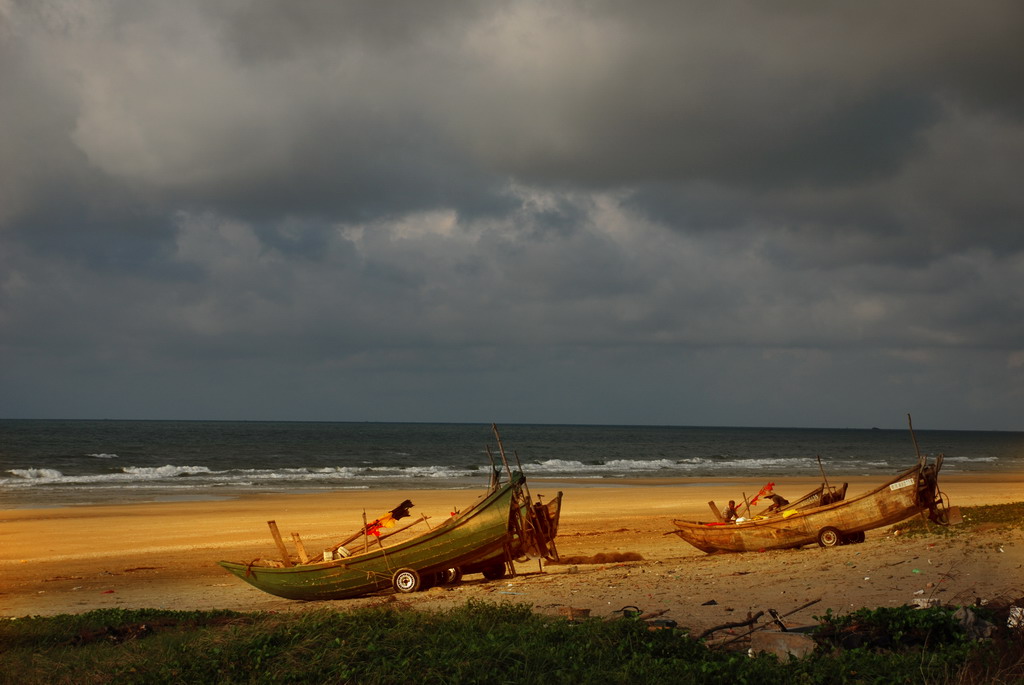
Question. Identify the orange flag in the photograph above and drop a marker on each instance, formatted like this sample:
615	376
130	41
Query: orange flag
764	491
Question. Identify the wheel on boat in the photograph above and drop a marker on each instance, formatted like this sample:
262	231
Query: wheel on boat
856	538
829	537
495	571
406	580
450	576
429	580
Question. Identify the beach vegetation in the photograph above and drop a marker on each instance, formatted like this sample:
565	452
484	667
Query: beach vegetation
975	519
903	626
474	643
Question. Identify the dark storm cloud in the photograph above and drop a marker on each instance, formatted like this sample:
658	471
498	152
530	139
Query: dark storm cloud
654	212
736	92
270	30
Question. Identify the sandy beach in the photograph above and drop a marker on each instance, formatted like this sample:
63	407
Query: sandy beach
163	555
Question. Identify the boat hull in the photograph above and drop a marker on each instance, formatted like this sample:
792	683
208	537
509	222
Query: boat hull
532	535
477	533
910	493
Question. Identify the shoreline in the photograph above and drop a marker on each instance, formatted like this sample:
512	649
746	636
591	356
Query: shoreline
858	482
163	555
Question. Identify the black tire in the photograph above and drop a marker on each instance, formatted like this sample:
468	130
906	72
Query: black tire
450	576
856	538
406	580
495	571
829	537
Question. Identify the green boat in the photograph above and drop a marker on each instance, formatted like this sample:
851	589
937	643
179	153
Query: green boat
481	532
532	536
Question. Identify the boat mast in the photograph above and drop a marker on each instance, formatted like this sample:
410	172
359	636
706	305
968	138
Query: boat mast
914	438
501	450
823	476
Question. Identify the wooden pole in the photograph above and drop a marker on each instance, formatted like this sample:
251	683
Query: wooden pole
495	473
747	502
351	538
914	438
488	448
300	548
823	476
421	519
366	540
501	450
280	543
519	465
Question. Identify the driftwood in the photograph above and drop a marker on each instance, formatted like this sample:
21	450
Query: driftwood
737	624
776	619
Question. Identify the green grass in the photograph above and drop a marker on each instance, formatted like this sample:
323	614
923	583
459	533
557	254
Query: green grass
474	643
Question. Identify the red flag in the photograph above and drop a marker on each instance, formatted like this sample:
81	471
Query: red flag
764	490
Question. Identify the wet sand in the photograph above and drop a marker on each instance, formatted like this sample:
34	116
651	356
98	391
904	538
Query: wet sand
163	555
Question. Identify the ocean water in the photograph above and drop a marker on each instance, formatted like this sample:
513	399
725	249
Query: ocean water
60	463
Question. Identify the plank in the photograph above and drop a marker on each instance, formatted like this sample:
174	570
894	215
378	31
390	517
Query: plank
280	544
300	548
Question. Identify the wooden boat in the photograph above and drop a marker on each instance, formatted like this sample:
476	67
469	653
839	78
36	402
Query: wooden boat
532	537
532	531
479	533
541	525
837	522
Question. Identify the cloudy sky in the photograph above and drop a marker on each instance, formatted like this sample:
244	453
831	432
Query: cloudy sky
690	213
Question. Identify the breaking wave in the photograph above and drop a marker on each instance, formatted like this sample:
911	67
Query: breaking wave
201	476
669	467
171	475
36	474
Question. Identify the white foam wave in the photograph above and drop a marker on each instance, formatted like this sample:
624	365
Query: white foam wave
36	474
292	474
422	471
128	474
175	476
981	459
202	476
702	464
166	471
103	455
